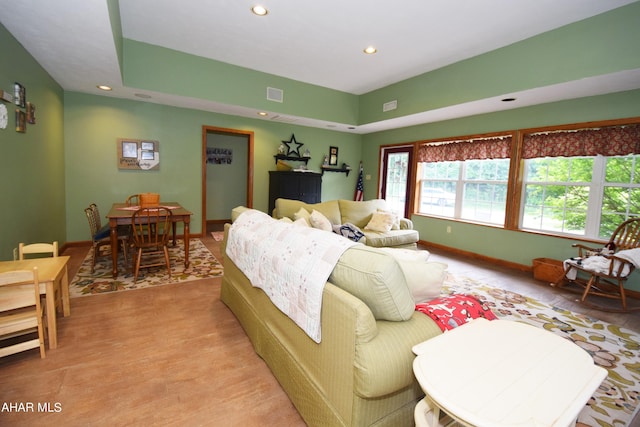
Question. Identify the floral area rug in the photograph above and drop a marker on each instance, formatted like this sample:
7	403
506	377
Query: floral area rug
615	349
202	264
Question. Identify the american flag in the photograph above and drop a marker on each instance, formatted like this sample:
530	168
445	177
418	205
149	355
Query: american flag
359	196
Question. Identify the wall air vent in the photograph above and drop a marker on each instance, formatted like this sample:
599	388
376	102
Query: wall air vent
388	106
276	95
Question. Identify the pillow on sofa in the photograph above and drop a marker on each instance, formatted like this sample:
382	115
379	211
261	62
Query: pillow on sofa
380	221
424	278
396	219
304	214
320	221
288	207
374	277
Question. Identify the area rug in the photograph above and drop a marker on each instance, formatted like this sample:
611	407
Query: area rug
202	264
615	349
217	235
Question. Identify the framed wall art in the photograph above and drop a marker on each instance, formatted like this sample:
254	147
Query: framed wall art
19	95
138	154
21	121
333	156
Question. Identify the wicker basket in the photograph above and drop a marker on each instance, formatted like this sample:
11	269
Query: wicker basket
547	269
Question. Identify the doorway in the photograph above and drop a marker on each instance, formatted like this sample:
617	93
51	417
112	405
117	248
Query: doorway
397	165
227	174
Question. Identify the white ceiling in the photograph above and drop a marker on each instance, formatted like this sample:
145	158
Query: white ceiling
314	42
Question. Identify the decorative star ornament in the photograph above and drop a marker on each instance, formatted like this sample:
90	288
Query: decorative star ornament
295	150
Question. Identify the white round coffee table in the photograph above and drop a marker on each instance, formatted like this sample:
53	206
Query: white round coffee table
503	373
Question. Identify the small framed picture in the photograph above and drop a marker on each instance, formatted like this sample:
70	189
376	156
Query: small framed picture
21	121
19	95
333	156
129	150
31	113
147	146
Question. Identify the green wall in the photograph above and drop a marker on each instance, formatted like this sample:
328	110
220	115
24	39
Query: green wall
31	163
514	246
600	45
94	123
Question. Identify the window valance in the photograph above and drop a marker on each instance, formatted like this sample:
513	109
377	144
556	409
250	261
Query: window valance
472	149
606	141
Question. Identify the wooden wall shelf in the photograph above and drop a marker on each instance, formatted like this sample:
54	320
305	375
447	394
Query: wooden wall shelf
335	169
296	158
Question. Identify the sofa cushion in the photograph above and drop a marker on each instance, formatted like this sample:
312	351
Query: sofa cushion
359	213
424	278
396	219
396	238
320	221
302	213
381	221
376	278
287	207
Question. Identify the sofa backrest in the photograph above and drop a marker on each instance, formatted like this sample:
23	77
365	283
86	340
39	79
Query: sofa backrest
288	208
359	213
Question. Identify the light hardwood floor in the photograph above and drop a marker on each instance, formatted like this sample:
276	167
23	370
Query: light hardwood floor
176	356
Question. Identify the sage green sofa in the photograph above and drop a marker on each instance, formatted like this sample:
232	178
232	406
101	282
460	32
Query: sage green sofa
360	374
357	213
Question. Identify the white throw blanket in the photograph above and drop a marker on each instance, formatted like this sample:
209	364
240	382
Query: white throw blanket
601	264
290	263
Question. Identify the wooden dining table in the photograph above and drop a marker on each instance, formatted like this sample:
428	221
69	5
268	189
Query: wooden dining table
52	275
121	214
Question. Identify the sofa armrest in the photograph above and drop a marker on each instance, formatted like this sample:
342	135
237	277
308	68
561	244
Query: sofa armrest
406	224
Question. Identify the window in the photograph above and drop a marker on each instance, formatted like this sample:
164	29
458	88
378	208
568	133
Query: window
587	183
465	179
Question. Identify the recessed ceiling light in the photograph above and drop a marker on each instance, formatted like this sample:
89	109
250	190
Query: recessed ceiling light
508	99
262	113
104	87
370	50
259	10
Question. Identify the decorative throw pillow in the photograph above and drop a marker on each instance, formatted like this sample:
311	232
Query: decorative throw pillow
396	219
301	222
320	221
455	310
380	221
304	214
424	278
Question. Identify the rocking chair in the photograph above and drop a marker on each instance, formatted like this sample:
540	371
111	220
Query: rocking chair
607	268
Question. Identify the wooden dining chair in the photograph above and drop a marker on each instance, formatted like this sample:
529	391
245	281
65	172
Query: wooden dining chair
133	200
21	313
101	236
151	230
37	249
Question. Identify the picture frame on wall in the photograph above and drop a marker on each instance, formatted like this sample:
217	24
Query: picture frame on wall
129	150
31	113
21	121
138	154
19	95
333	156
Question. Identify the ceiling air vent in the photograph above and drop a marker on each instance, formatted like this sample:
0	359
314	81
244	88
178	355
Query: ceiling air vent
388	106
274	94
284	119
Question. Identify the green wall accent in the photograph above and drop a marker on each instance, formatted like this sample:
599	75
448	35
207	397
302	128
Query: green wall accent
217	81
599	45
116	29
94	123
31	164
514	246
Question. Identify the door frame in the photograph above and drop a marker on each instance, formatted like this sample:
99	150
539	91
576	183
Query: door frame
225	131
385	150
